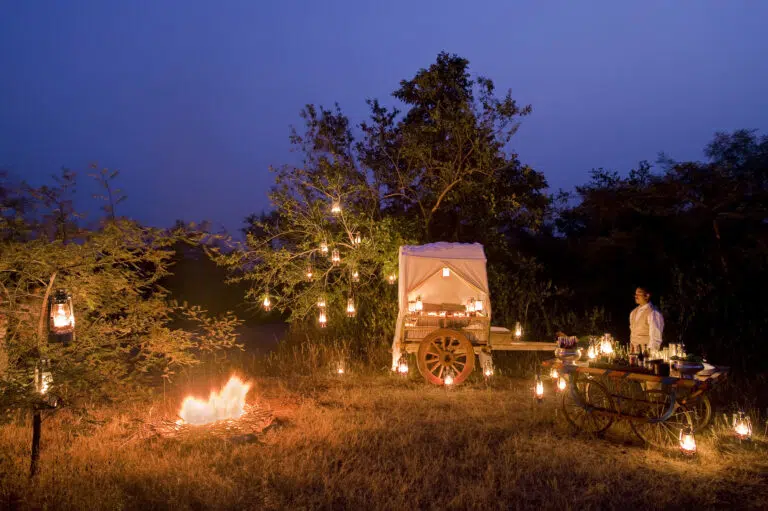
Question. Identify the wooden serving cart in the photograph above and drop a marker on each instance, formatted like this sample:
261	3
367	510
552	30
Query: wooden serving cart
657	407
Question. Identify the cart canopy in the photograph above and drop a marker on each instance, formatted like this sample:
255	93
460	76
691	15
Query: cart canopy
421	274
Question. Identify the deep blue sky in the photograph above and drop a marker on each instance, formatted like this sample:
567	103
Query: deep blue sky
192	100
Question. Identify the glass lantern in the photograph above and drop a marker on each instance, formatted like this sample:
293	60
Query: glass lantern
336	207
687	441
742	426
62	320
335	257
322	319
324	247
355	275
358	239
402	366
518	330
351	312
267	303
321	301
392	278
419	305
309	273
538	390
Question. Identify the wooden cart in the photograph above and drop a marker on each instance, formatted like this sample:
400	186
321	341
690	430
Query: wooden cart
657	407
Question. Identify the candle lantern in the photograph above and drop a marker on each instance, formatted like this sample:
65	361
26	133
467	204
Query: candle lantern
742	426
62	321
335	257
419	305
340	368
561	383
322	319
448	378
538	391
324	247
470	307
321	301
355	275
591	352
43	376
487	370
357	240
392	278
336	208
554	374
310	273
606	346
518	330
267	303
402	366
351	307
687	441
446	272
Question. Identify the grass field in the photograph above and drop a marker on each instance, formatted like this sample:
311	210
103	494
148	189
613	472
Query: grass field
374	443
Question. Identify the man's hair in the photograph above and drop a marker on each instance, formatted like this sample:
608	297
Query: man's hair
646	289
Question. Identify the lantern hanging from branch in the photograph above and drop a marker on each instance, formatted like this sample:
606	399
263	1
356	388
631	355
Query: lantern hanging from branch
518	330
687	441
310	273
357	240
335	257
446	272
538	390
43	376
322	319
62	320
392	278
321	301
336	207
355	275
742	426
324	247
351	312
267	303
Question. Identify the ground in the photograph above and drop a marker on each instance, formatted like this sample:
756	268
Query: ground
374	443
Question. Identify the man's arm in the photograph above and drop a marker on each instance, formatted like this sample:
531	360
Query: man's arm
656	327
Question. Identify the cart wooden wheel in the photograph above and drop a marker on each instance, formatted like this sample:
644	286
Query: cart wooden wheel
588	406
653	428
700	410
444	350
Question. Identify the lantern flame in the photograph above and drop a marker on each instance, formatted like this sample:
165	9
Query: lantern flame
554	374
518	330
351	308
561	383
591	353
419	305
267	303
336	208
448	380
402	368
742	426
322	319
392	278
355	276
539	391
606	347
228	403
446	271
61	317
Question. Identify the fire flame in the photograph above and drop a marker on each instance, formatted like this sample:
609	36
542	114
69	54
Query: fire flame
229	403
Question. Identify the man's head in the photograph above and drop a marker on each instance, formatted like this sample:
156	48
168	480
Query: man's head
642	296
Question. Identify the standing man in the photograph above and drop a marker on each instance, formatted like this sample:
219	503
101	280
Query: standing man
646	323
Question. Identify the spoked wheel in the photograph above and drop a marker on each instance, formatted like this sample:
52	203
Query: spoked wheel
653	429
588	406
700	410
445	350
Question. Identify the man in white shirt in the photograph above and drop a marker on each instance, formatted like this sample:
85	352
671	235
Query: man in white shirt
646	323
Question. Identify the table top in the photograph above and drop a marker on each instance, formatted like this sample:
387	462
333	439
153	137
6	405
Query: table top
675	378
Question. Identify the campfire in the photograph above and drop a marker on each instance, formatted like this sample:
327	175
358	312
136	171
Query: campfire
228	403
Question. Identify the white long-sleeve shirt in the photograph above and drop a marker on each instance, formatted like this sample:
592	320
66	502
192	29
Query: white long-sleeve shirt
646	333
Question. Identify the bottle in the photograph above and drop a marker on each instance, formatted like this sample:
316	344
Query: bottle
632	355
640	356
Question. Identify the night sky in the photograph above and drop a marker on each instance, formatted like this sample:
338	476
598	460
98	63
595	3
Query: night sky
193	100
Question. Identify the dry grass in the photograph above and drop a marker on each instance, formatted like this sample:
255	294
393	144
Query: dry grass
370	443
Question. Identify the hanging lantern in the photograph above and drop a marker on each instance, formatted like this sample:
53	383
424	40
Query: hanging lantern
448	379
687	441
324	247
267	303
351	307
322	320
62	320
742	426
355	275
310	273
43	377
419	305
402	365
392	278
321	301
478	305
561	383
538	391
554	374
335	257
518	330
336	208
446	272
470	305
357	240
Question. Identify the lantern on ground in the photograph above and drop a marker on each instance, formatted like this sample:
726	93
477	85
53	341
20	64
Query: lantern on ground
336	207
357	240
518	330
538	390
355	275
742	426
335	257
687	441
62	321
419	306
448	378
392	278
340	368
309	273
561	383
446	272
267	303
324	247
402	365
487	370
322	319
321	301
351	307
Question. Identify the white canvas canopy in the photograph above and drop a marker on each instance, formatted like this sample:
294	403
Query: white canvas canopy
421	269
